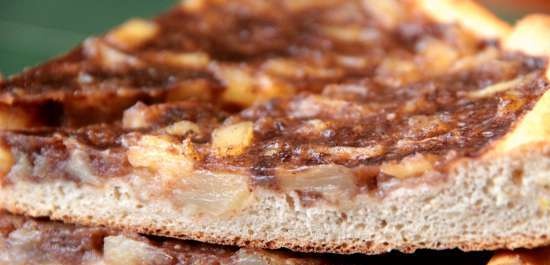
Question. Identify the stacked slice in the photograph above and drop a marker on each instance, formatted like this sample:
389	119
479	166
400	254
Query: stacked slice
334	126
25	241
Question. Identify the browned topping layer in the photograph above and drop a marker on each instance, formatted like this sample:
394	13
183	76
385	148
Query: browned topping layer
252	54
30	241
358	123
362	124
24	241
293	98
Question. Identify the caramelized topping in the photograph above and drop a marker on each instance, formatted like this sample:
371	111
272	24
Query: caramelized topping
132	34
182	128
120	250
232	140
163	156
6	160
332	182
502	86
13	118
410	166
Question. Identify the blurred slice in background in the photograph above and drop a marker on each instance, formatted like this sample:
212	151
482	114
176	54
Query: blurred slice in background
31	31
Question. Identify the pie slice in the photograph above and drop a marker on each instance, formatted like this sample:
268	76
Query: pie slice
326	126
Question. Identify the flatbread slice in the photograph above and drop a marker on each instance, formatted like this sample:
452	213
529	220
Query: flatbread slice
327	126
27	241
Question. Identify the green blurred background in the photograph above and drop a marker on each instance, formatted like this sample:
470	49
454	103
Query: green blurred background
32	31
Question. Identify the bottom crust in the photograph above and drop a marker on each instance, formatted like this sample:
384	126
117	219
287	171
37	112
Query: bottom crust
485	204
